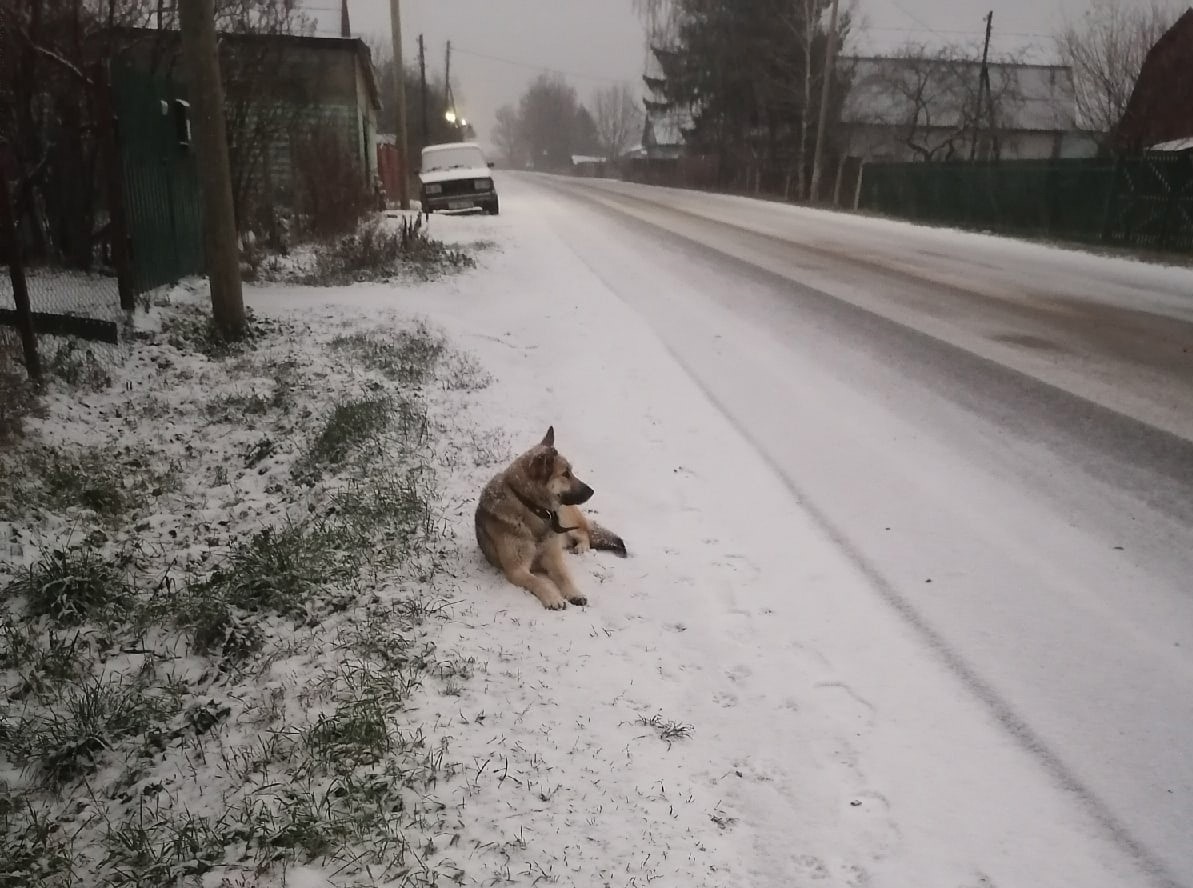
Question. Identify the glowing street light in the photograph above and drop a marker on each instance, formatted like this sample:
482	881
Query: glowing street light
450	116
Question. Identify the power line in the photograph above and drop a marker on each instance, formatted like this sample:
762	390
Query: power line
975	32
924	26
911	15
547	68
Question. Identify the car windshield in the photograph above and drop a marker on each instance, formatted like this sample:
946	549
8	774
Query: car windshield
453	158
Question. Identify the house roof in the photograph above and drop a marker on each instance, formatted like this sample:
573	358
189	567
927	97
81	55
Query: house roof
1033	97
1173	145
1160	103
354	45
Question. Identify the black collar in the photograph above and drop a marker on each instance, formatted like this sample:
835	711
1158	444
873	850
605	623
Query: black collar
548	515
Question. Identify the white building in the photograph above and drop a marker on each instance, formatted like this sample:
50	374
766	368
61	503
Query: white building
909	108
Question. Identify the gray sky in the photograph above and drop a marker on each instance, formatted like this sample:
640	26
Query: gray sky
499	45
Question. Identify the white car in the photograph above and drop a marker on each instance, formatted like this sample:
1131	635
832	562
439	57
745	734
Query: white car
456	176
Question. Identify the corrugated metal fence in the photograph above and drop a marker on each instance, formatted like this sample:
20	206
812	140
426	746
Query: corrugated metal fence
1142	202
160	184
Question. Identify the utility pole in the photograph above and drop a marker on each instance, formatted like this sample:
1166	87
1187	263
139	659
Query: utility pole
983	89
422	76
200	55
395	24
447	83
830	58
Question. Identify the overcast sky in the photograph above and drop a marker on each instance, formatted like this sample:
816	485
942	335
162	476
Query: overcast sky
499	45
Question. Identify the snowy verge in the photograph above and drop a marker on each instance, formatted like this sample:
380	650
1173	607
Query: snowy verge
225	568
713	718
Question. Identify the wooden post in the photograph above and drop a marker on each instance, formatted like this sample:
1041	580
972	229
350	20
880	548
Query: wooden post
857	191
200	54
395	25
830	56
422	76
11	247
983	88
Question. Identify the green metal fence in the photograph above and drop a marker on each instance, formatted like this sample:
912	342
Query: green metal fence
1144	202
162	204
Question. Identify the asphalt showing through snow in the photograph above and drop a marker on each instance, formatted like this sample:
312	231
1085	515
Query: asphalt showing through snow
1031	454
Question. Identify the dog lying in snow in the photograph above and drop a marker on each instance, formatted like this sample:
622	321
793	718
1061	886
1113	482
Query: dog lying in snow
528	513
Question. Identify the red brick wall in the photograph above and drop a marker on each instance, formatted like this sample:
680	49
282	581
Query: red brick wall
1161	106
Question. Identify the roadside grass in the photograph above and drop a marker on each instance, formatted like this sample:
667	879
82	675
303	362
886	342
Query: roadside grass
191	330
105	483
229	692
91	719
380	252
18	399
235	407
75	365
668	730
408	356
70	586
348	428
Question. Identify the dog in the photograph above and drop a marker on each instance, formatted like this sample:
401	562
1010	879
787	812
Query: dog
520	524
585	534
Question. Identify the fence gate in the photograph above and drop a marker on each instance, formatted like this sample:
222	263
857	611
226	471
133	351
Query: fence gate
160	183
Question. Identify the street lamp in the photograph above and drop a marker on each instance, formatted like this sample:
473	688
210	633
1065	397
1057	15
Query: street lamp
450	116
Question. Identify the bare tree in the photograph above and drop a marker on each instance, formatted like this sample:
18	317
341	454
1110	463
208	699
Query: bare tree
507	135
618	115
1106	50
549	114
50	127
264	102
930	101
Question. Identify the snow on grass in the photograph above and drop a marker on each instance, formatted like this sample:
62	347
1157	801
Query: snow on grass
382	248
222	578
277	658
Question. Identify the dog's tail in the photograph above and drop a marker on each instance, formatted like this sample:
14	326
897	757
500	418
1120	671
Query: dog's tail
605	540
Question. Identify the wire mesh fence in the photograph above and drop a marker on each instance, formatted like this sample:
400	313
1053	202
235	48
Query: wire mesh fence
102	200
67	302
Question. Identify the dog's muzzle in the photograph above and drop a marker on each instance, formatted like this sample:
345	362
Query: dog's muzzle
577	495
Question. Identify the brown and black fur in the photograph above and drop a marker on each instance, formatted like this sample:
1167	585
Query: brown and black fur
587	534
526	515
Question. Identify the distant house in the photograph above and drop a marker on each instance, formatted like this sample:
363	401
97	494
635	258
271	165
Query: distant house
287	98
1160	109
909	108
589	167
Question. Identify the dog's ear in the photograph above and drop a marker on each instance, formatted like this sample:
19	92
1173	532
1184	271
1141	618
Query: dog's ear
542	464
549	438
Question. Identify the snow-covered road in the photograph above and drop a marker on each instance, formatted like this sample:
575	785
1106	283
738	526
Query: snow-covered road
910	516
993	440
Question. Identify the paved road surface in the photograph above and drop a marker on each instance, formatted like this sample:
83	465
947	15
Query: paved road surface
999	435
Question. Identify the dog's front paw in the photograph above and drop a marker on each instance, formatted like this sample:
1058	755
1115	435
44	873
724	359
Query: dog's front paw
580	546
579	601
555	604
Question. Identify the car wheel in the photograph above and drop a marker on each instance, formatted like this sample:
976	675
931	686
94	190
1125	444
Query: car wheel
492	209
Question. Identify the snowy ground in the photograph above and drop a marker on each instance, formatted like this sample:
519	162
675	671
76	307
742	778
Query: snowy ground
735	707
